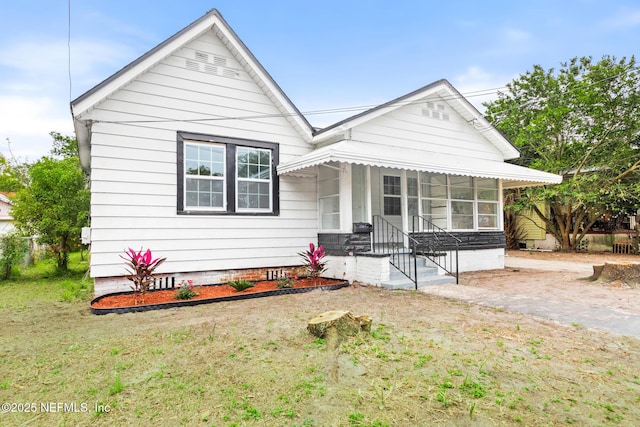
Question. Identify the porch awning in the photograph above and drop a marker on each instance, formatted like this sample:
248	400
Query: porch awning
361	153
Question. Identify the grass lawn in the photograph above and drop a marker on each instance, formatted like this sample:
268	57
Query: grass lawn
428	361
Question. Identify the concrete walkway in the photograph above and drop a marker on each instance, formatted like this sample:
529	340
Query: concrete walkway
610	320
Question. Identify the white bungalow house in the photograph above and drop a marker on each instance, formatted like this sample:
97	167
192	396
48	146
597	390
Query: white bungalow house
196	153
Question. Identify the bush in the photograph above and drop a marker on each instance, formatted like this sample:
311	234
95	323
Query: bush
186	290
141	267
240	285
13	248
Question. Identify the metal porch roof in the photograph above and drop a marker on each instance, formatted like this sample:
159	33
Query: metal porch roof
362	153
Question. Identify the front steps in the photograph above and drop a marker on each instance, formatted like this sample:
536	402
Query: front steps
427	276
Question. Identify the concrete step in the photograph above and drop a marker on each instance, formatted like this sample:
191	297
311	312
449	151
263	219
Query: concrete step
422	282
422	272
427	276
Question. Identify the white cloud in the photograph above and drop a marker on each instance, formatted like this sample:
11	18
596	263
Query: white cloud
627	19
36	65
27	123
34	88
514	35
479	85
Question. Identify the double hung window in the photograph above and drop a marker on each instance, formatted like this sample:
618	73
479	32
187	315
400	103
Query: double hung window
219	175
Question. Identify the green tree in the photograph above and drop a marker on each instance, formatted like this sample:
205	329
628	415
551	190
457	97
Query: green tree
55	206
13	248
64	146
12	177
582	122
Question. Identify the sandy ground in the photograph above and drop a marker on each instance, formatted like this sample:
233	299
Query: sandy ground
559	277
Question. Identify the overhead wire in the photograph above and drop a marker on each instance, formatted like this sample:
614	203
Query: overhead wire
359	108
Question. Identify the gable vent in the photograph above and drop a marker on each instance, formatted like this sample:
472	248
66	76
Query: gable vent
228	72
201	56
193	65
436	111
211	64
211	69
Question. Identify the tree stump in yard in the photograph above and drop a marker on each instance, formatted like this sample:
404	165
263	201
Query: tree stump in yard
335	326
625	272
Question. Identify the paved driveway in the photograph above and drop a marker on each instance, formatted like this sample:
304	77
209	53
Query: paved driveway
564	312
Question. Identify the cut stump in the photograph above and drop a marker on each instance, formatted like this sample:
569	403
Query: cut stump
335	326
625	272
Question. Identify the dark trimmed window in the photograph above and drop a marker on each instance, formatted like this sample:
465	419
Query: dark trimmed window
221	175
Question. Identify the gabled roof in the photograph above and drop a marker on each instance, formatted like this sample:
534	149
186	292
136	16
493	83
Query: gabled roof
453	98
212	20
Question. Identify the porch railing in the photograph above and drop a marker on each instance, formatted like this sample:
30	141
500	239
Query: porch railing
438	245
401	247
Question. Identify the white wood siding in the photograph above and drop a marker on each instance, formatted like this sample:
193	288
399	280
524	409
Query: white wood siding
134	182
407	127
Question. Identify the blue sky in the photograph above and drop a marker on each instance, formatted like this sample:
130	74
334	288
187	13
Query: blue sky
324	54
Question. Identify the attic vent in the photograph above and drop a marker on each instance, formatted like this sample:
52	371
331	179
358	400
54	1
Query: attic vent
436	111
192	65
219	61
228	72
211	64
211	69
201	56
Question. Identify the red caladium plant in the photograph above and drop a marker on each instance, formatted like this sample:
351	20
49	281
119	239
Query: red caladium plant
313	260
141	267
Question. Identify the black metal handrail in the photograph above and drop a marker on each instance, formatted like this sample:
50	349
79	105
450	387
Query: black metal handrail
390	239
438	245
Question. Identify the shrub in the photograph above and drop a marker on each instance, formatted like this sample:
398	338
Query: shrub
286	281
186	290
141	269
313	260
13	248
240	285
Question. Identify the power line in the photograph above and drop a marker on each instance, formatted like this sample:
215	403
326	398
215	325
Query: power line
69	49
360	108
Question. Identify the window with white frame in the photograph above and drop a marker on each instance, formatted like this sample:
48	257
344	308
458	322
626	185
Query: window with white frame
462	202
488	201
329	196
392	200
473	203
221	175
434	198
253	179
204	172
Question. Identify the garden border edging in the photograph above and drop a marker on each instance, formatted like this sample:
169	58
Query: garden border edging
194	302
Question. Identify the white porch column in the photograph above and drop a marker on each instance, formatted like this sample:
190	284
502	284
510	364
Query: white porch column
404	205
346	211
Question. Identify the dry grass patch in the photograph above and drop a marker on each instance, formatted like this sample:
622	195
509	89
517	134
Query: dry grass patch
427	361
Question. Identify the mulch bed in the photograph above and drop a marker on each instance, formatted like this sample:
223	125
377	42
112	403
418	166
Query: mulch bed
127	302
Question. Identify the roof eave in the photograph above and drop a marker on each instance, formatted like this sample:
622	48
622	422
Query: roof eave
211	19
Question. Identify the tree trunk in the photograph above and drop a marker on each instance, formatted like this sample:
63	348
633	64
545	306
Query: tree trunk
336	326
627	273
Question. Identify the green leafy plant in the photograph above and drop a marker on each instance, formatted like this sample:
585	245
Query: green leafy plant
240	285
141	267
12	249
286	281
313	260
186	290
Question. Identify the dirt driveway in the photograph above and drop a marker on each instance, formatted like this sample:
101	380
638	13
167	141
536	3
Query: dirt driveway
559	277
553	286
